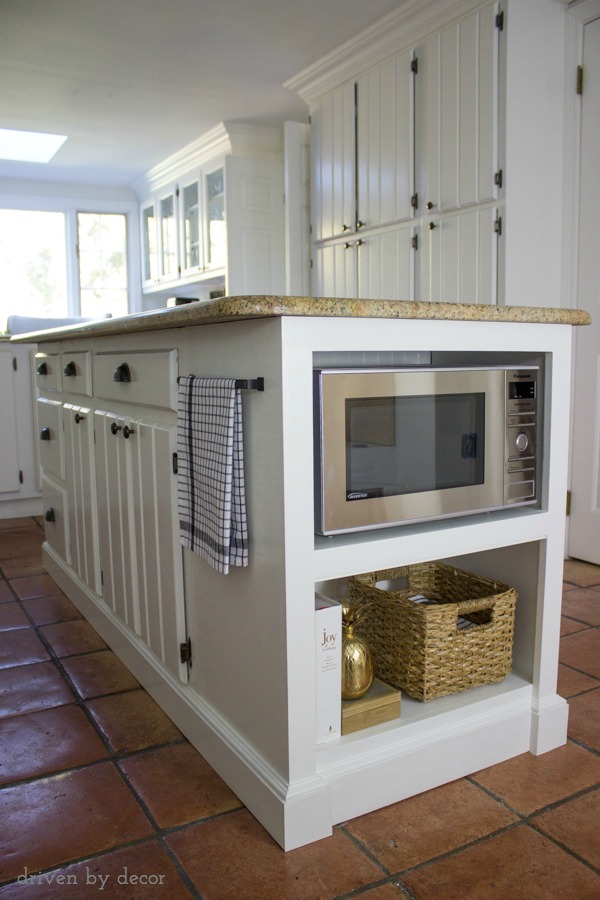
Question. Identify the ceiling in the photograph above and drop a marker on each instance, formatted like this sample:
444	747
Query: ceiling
133	81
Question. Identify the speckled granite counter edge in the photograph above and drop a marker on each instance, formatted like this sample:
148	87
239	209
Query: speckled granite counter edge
232	309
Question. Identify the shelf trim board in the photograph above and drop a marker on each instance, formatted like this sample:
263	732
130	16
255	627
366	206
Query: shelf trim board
294	814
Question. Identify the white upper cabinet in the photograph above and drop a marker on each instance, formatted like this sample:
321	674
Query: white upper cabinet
406	177
193	210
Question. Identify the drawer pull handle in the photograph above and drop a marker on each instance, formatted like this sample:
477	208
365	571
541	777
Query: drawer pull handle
127	431
42	369
122	373
78	418
115	429
50	515
70	369
45	434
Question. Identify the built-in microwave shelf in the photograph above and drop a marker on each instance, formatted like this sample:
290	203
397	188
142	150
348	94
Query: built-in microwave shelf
422	541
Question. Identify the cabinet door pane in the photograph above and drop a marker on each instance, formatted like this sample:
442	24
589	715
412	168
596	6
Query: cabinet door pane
149	251
191	227
215	219
168	236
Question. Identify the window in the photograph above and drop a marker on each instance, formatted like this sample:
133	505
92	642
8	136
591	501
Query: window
102	251
33	264
57	262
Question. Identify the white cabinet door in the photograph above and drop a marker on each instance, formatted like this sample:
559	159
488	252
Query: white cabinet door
385	143
81	494
140	555
116	537
459	161
333	171
9	449
386	265
458	256
335	269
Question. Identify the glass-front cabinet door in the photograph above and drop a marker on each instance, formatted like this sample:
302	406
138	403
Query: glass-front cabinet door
149	245
216	241
169	266
191	235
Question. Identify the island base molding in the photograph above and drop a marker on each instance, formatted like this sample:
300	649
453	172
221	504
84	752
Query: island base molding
298	812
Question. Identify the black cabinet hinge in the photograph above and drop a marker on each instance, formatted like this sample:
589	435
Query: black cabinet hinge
175	464
185	652
568	506
20	476
414	201
500	21
498	226
499	178
414	65
579	85
15	365
415	242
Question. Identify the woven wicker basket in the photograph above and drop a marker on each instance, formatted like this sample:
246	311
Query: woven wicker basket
420	648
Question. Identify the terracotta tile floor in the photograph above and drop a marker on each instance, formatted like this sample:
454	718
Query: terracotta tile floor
100	795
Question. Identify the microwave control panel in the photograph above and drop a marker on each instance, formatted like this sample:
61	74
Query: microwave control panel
521	462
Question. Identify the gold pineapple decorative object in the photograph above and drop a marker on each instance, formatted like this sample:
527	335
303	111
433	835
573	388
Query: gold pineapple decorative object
357	663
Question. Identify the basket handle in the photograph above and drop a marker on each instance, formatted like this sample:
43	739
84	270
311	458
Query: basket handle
477	604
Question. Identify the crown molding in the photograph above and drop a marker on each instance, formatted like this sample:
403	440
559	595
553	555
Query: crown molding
413	22
227	138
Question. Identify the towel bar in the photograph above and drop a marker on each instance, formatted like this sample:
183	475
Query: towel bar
248	384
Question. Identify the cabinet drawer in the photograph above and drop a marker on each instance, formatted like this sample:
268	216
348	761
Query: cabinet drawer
76	371
51	437
149	379
47	371
55	517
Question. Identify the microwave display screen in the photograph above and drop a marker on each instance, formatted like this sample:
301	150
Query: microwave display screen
410	444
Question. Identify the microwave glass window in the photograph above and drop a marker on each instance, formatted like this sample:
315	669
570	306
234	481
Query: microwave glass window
405	445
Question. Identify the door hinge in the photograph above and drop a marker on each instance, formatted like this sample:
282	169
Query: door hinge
102	577
15	365
498	226
414	65
414	201
500	20
499	178
20	476
579	86
568	507
175	464
185	652
415	242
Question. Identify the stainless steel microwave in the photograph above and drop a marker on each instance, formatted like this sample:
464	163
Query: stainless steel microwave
394	446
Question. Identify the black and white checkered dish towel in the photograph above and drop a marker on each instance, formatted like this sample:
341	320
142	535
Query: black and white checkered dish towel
211	490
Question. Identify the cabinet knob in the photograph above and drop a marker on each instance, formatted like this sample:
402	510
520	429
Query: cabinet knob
360	224
345	228
360	242
432	225
45	434
122	373
430	205
127	431
42	369
78	418
115	429
70	369
50	515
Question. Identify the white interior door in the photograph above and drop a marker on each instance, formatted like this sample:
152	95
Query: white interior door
584	530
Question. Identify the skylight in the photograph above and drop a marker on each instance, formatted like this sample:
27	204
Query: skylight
29	146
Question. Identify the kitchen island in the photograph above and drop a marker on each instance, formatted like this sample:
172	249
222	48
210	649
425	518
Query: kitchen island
231	658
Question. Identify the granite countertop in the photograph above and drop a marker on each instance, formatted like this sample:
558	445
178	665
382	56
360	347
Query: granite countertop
234	309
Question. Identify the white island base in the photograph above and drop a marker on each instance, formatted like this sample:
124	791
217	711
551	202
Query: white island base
248	700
